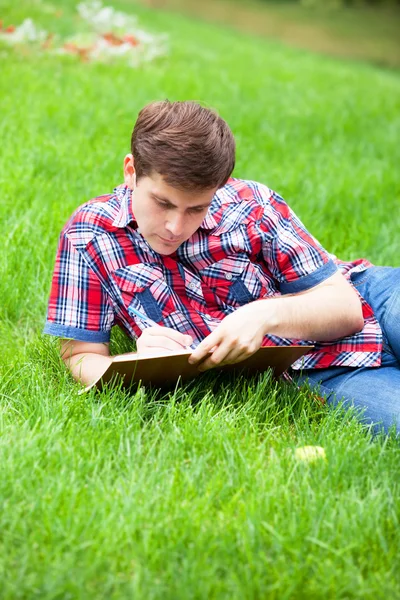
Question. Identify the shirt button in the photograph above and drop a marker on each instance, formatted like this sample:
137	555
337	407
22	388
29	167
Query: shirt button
207	317
192	286
228	276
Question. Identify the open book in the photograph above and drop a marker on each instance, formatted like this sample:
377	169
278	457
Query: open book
165	369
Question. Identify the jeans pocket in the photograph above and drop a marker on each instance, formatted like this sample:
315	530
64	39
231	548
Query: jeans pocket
386	347
390	325
358	279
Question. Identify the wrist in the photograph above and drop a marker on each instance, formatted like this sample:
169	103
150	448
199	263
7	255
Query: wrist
268	314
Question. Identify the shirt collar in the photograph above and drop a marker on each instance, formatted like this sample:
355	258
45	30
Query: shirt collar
125	213
209	222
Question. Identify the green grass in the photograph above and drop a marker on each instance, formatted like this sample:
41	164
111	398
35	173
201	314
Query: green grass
362	31
196	493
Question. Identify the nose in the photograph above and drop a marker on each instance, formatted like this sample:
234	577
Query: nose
175	224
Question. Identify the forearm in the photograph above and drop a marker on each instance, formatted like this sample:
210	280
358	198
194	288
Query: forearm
329	311
88	361
323	314
86	368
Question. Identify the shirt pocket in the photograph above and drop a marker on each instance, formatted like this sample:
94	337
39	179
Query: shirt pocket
143	287
231	282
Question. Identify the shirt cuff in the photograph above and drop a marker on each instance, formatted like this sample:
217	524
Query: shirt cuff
74	333
309	281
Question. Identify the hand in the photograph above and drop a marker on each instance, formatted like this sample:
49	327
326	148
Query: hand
238	336
162	339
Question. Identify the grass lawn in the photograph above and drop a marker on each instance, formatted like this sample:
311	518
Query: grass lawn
197	493
358	30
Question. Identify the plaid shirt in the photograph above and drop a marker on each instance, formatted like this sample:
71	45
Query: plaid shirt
250	246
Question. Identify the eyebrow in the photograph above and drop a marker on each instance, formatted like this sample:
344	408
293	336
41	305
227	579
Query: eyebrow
163	199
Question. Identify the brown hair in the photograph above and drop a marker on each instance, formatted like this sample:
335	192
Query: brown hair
191	146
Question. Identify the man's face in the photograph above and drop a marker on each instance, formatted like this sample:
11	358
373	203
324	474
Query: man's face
166	216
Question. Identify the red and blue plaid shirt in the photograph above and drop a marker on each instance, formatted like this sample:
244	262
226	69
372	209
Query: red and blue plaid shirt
250	246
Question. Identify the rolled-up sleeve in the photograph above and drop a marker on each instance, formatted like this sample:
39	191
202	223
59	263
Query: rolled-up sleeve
78	307
296	260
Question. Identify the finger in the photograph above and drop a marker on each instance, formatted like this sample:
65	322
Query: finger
204	348
237	354
181	338
161	342
217	357
235	357
230	356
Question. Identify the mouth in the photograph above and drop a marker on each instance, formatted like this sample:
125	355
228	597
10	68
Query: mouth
169	242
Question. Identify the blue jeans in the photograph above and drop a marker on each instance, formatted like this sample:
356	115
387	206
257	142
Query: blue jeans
374	390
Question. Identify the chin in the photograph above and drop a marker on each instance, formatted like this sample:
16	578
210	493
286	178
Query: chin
164	250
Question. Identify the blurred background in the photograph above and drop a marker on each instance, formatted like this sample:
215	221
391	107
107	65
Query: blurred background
366	30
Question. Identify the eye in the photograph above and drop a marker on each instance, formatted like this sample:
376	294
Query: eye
163	205
197	210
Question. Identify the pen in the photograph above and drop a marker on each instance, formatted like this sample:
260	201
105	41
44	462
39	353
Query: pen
148	321
143	317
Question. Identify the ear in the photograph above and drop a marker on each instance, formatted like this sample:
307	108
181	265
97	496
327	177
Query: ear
129	171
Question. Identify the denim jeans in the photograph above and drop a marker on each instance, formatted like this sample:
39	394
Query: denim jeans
374	390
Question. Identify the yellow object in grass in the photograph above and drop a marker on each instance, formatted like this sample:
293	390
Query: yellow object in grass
310	453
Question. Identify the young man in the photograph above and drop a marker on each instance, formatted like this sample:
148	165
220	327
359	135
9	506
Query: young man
221	264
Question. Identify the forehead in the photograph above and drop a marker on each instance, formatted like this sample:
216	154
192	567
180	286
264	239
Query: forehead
160	190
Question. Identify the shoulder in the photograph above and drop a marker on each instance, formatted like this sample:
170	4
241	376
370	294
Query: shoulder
92	218
240	201
237	191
